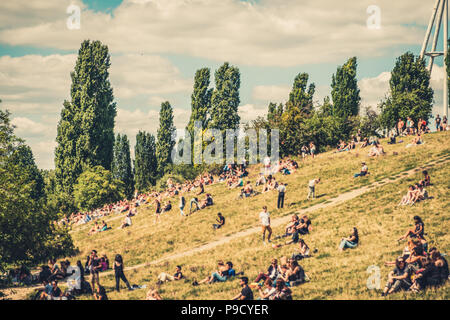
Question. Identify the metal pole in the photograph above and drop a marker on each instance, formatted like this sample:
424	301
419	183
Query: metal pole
445	8
430	26
436	34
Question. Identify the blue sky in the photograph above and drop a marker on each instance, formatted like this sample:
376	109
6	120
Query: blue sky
157	45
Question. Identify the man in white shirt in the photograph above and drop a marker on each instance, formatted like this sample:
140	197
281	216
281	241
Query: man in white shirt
265	224
281	190
312	186
364	171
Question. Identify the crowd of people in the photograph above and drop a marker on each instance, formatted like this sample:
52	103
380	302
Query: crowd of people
416	269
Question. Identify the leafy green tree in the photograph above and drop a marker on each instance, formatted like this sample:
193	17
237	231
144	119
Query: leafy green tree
225	98
27	232
85	134
164	142
121	168
410	93
145	163
200	100
296	110
23	158
344	90
299	97
96	187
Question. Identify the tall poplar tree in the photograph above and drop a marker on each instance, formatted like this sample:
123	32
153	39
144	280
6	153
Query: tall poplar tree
121	168
200	100
344	90
145	164
85	135
225	98
164	142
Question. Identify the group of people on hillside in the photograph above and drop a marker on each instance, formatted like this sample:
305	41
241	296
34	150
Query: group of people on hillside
417	192
418	267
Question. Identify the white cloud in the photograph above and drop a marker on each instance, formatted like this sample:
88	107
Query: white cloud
249	112
275	94
275	32
374	90
26	127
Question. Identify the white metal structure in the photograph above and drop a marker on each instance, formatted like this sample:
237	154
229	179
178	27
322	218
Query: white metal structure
438	17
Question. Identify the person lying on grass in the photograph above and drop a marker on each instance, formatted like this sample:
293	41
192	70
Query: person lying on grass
224	271
163	276
350	242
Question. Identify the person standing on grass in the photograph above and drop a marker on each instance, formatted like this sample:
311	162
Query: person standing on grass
118	272
94	267
281	192
265	224
157	209
246	293
182	204
312	149
312	186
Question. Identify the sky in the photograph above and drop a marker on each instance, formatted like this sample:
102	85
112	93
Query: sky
157	45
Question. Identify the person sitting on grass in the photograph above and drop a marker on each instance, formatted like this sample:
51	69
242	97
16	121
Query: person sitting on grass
303	251
282	292
364	171
220	221
268	292
434	273
126	222
272	272
167	207
101	293
408	199
95	228
103	227
194	201
223	272
248	189
261	180
304	225
426	179
153	294
246	293
399	278
417	232
296	274
350	242
163	276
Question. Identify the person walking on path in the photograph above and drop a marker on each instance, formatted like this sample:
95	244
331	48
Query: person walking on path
265	224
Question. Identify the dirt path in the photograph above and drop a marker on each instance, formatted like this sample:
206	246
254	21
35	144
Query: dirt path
285	219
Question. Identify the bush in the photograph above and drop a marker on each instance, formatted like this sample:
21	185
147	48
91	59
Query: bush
96	187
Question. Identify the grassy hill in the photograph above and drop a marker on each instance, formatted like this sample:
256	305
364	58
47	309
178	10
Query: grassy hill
334	275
